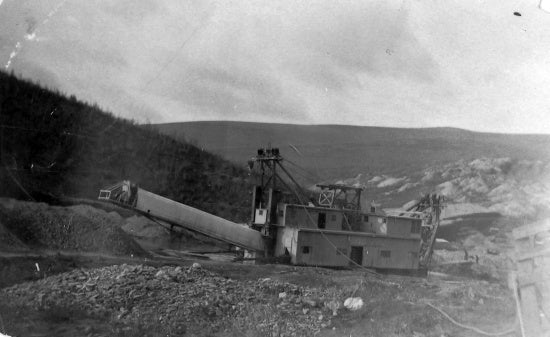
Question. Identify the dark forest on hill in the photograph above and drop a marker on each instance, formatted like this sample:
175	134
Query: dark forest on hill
54	145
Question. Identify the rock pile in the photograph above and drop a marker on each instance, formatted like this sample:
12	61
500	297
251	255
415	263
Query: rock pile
8	241
78	228
190	300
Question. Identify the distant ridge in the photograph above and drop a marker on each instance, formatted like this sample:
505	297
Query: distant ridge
344	150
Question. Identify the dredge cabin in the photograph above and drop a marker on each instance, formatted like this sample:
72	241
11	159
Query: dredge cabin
325	235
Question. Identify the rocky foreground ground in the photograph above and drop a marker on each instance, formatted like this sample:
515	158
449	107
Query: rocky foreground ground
125	300
178	300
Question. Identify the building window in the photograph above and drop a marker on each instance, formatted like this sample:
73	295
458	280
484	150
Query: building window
333	217
322	220
385	253
415	227
365	218
260	212
305	249
341	251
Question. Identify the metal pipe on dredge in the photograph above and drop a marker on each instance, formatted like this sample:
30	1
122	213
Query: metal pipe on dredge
186	216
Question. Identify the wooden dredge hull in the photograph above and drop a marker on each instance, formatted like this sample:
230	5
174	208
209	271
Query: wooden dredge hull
330	248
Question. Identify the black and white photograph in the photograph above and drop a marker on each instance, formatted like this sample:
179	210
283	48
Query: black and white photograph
280	168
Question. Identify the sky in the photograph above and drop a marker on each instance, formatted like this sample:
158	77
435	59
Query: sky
469	64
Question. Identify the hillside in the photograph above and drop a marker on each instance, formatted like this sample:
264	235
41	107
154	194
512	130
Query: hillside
477	172
344	150
53	145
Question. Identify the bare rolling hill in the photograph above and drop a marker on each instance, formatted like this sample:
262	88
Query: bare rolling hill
344	150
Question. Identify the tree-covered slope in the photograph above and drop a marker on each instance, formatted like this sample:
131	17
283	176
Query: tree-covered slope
53	144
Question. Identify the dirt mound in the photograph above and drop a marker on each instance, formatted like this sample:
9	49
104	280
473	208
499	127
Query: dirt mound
154	235
9	241
144	228
79	228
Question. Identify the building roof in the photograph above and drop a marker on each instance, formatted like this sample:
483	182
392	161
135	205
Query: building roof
377	212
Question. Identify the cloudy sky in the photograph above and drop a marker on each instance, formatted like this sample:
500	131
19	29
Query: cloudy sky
407	63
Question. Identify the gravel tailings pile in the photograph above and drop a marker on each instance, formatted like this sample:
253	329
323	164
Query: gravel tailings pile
178	301
8	241
77	228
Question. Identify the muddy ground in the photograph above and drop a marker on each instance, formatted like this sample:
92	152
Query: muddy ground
94	292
